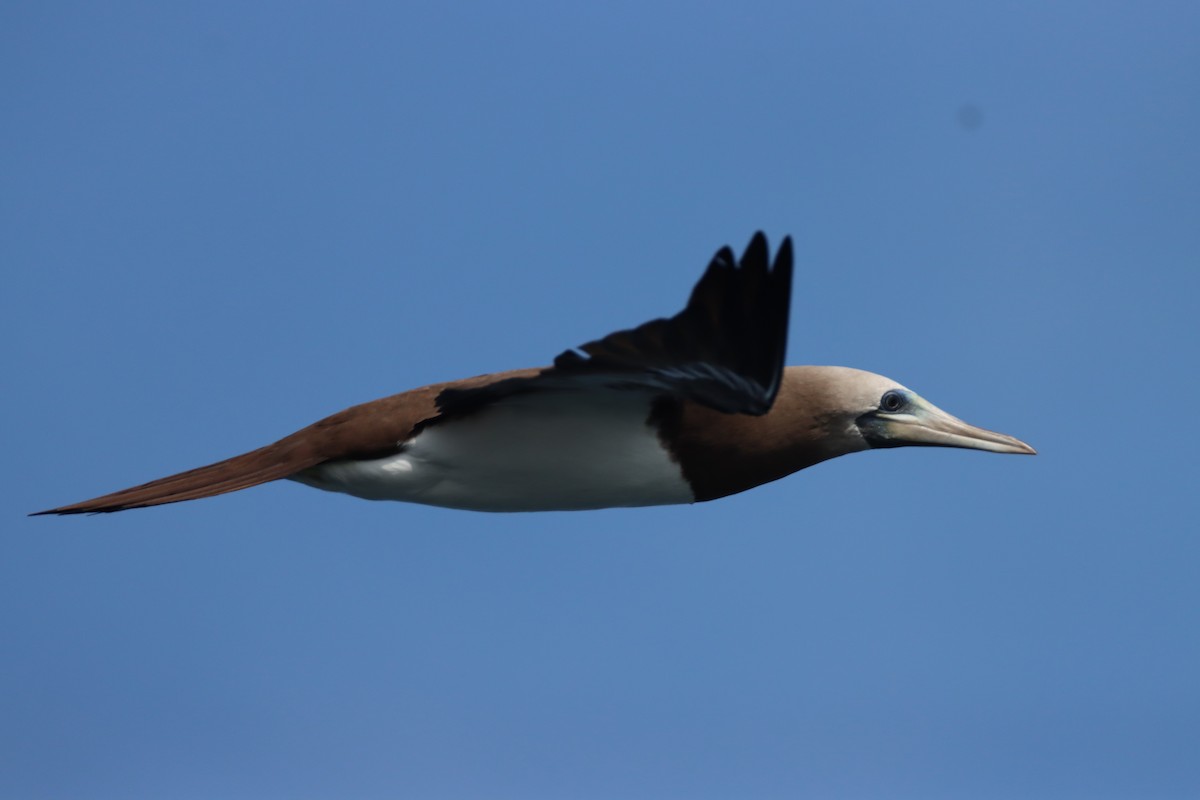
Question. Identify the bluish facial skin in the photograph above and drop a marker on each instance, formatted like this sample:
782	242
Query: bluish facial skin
904	418
875	424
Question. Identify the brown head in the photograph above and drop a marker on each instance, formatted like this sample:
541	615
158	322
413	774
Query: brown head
857	410
820	413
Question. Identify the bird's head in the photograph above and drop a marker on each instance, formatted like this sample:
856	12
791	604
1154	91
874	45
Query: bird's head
864	411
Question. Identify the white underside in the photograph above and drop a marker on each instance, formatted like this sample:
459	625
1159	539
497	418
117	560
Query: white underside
542	451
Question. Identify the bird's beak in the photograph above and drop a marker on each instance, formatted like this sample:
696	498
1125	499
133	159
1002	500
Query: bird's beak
924	424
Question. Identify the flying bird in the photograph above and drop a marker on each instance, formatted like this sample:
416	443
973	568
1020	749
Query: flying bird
684	409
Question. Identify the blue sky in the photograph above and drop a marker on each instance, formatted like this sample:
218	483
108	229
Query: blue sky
223	221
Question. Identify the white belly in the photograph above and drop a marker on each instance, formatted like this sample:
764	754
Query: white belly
537	452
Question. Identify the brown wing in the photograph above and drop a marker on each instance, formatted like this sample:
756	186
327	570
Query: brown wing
725	350
278	460
369	430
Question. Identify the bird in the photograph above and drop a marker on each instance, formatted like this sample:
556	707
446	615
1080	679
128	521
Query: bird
684	409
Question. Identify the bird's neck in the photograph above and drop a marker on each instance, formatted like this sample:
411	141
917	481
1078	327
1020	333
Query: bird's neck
722	454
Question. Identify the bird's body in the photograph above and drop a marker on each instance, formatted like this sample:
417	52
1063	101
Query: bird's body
533	452
691	408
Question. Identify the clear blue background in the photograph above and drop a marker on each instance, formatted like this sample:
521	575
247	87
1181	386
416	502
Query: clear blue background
224	221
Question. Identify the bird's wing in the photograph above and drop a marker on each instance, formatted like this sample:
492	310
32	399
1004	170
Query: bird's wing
275	461
725	350
369	430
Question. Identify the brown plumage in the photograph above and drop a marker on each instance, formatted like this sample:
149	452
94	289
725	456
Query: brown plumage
368	430
690	408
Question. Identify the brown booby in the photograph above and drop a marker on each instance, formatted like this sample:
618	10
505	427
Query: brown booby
678	410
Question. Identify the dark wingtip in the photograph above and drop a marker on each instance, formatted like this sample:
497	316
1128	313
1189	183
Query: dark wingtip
724	257
757	253
783	258
48	512
67	511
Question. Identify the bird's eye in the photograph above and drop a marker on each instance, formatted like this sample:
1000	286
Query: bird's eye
892	401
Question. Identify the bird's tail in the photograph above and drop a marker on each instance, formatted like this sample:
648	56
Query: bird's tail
275	461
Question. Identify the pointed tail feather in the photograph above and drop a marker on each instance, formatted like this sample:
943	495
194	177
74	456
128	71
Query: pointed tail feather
279	460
